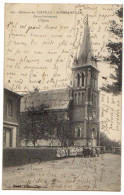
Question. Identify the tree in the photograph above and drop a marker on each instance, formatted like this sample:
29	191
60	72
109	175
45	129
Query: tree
115	57
58	126
105	141
40	122
33	123
63	131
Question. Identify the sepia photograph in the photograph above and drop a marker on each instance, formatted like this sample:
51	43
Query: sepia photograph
62	97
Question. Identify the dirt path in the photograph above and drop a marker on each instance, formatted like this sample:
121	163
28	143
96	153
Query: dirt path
99	173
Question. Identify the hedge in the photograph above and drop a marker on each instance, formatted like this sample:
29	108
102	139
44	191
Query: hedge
21	156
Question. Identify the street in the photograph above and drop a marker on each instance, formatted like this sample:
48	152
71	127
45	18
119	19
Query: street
99	173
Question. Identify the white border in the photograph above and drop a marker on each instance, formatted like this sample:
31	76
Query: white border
2	2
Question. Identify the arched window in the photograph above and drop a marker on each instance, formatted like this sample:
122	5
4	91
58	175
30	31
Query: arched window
79	98
94	82
83	98
92	98
78	132
83	79
78	80
89	95
76	99
95	100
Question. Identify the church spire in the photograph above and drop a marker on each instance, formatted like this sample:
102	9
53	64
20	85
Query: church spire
85	53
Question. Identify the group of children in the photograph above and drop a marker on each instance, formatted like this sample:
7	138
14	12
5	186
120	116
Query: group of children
77	151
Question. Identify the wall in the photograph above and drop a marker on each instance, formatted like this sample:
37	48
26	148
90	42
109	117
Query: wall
11	123
42	142
78	113
16	106
80	142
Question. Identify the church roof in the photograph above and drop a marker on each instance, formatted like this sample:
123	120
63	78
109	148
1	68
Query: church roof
58	99
85	56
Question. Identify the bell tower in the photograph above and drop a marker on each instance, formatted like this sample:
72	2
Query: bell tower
85	108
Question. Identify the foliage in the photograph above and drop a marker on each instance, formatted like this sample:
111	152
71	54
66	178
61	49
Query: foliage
94	58
62	127
115	57
40	122
21	156
57	125
32	123
105	141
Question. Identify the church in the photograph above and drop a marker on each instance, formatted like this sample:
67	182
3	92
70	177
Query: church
79	102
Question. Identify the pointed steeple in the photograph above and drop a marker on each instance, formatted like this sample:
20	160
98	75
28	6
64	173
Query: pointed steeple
85	53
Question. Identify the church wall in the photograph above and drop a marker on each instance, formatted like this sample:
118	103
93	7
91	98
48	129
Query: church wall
78	113
80	142
92	143
53	142
42	142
